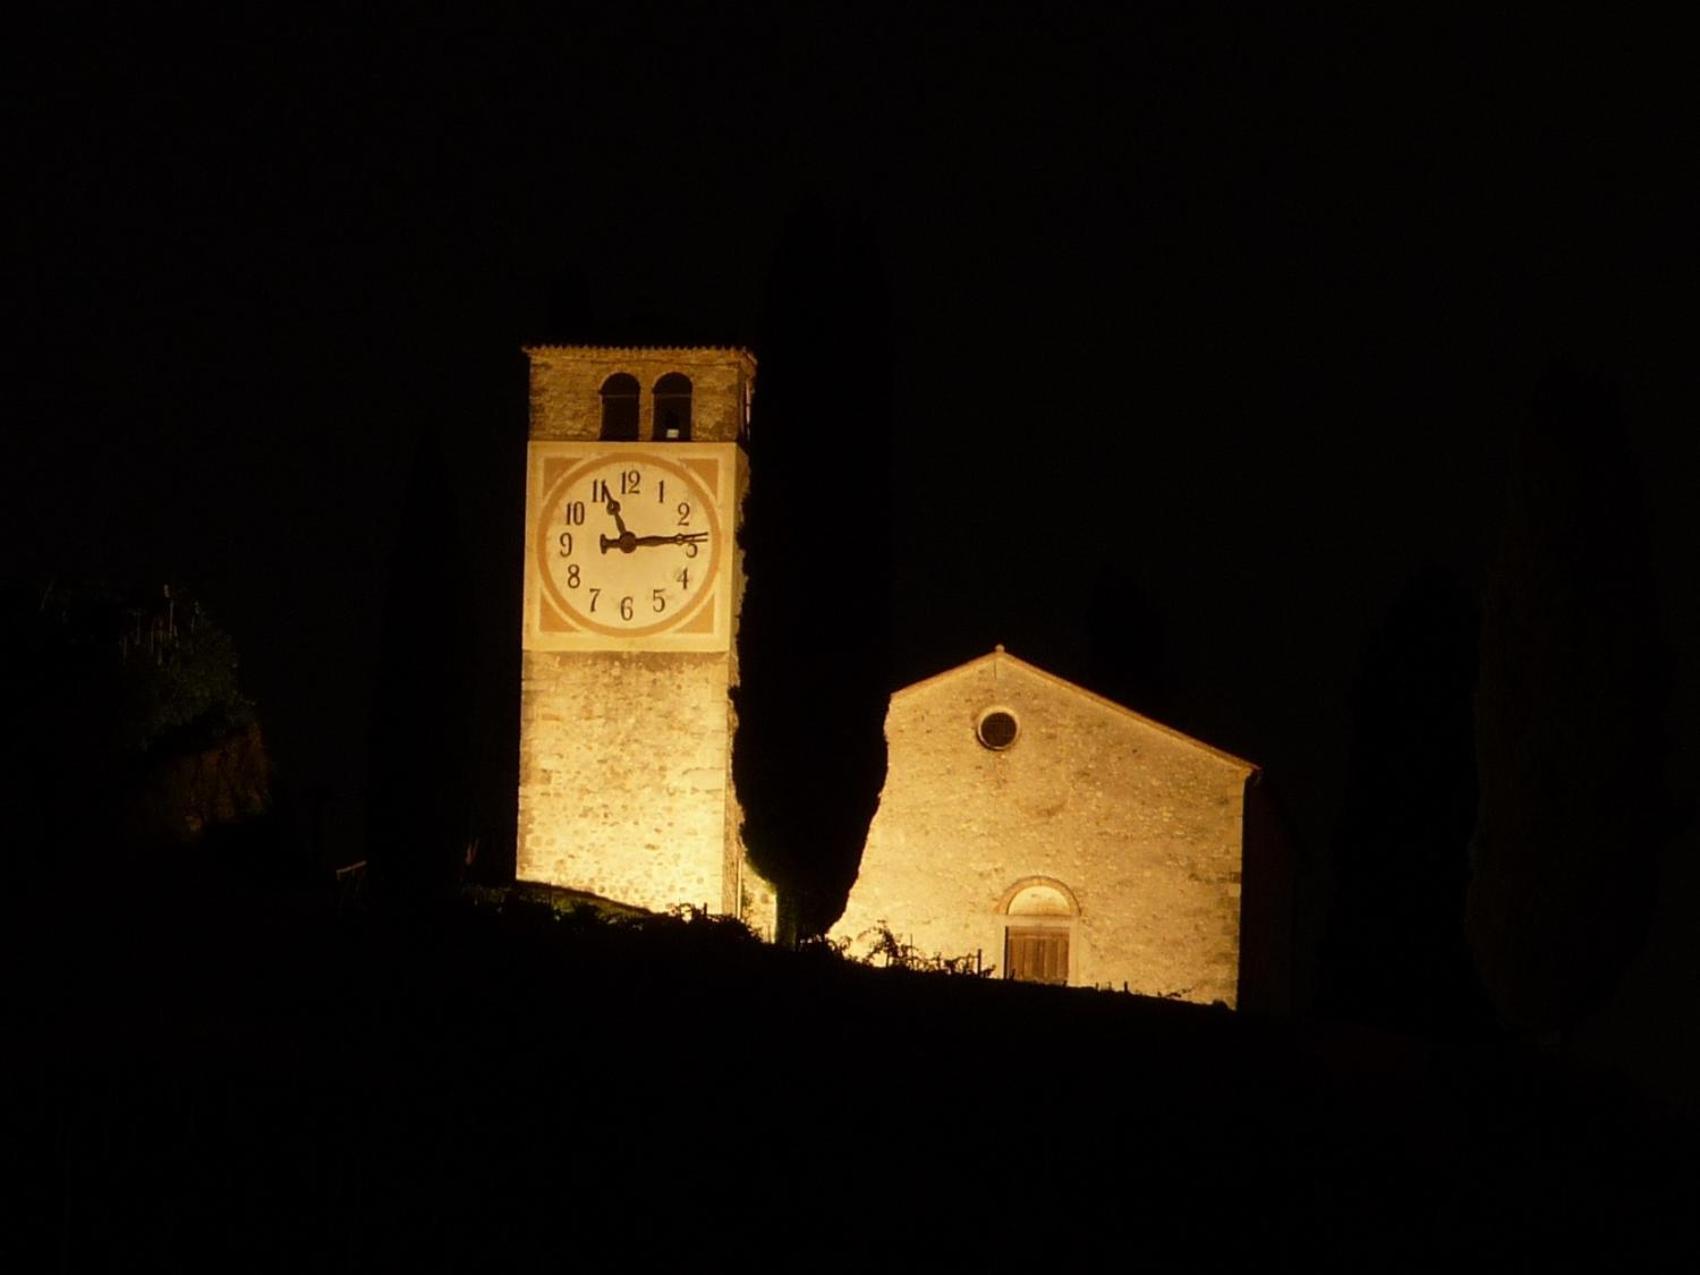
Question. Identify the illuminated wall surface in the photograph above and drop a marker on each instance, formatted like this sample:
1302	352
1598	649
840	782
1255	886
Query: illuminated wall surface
566	385
1094	847
625	753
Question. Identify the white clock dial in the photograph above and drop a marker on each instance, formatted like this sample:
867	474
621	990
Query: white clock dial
629	543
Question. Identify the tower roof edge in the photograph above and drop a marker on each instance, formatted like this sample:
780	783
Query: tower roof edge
644	351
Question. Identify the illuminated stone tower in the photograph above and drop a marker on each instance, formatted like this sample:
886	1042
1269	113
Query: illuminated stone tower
636	475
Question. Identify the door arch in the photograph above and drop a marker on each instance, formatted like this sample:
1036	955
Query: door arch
1039	915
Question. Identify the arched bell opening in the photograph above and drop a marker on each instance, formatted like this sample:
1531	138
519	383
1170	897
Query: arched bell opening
620	408
673	408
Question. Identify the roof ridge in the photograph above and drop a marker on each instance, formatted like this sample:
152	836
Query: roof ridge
547	346
999	653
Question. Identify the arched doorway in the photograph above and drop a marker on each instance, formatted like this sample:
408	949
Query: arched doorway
1039	915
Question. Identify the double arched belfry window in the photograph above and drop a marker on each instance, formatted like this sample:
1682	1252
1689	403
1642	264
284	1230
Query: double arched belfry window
671	398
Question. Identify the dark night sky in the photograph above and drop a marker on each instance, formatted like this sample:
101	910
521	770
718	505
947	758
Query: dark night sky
1258	298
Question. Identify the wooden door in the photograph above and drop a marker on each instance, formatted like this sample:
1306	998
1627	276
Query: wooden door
1036	955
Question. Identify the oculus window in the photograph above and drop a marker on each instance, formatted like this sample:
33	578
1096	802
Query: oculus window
997	729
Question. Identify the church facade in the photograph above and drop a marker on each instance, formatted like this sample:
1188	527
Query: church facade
1057	836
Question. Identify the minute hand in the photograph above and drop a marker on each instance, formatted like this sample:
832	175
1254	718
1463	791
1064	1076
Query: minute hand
629	542
683	538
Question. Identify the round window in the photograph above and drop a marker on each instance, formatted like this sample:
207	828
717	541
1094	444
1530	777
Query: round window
997	728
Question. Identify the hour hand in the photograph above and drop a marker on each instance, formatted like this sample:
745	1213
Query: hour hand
614	509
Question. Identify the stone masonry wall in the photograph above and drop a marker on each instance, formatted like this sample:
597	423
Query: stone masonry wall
625	756
624	775
1141	823
566	382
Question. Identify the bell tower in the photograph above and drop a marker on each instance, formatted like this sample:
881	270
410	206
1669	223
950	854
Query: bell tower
636	475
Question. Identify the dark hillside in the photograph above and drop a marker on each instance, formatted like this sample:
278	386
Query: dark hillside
289	1086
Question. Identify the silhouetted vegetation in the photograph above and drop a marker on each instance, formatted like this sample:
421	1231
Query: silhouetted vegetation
809	757
132	670
888	951
126	730
1395	952
1128	657
419	806
1570	734
1268	886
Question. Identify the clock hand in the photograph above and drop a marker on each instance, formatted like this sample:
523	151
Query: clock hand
683	538
626	542
614	509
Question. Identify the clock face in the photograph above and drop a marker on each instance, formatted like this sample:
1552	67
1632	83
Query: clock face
629	542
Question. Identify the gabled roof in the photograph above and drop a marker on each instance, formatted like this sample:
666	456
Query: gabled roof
1002	658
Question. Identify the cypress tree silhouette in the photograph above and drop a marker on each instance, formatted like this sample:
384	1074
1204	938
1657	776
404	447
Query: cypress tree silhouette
1395	952
809	756
1569	738
418	801
1268	979
1128	649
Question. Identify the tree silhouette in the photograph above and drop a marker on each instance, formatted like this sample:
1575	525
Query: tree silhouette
1395	951
809	757
1569	740
1128	651
1268	897
418	800
126	727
